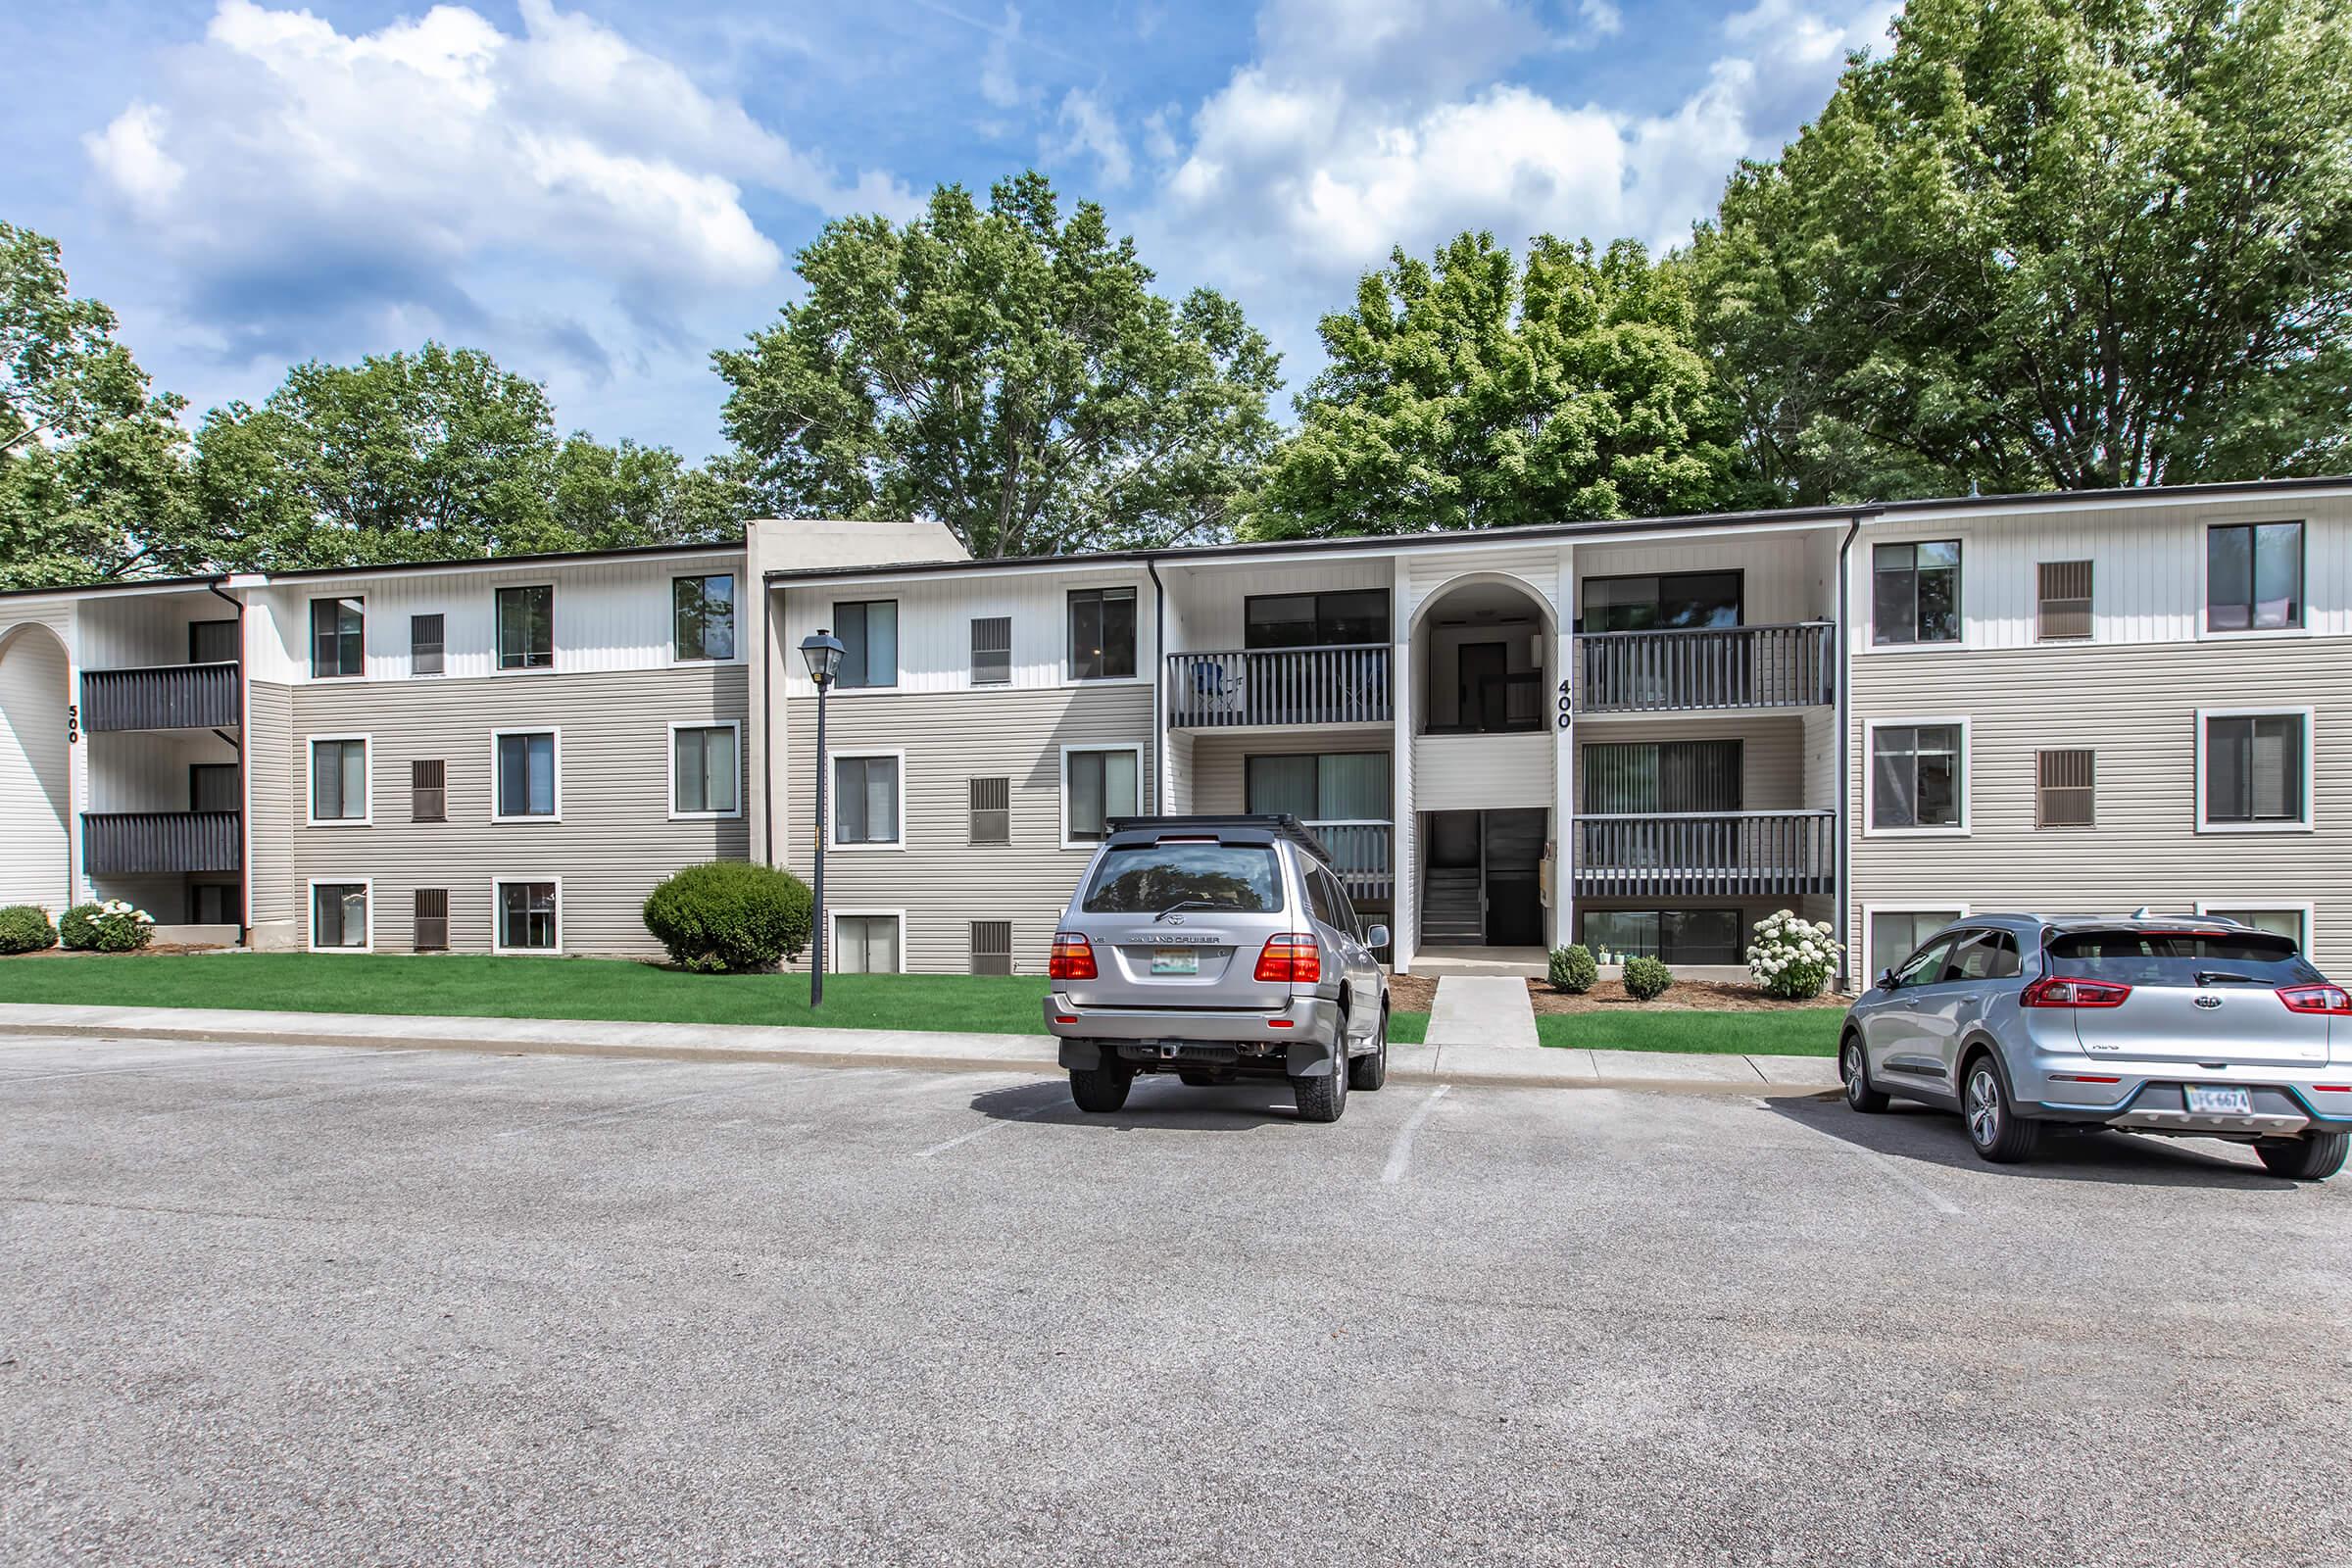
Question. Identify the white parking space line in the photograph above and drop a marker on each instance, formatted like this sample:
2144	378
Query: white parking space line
1400	1152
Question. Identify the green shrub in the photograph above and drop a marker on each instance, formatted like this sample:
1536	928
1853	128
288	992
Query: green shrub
1646	979
1573	969
26	928
110	927
730	916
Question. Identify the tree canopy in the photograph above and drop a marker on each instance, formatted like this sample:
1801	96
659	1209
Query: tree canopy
1472	392
1007	371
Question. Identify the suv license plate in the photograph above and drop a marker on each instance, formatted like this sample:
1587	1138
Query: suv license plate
1183	961
2221	1102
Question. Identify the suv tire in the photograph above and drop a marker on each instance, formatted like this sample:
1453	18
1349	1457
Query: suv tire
1371	1069
2313	1157
1100	1091
1995	1130
1854	1069
1324	1098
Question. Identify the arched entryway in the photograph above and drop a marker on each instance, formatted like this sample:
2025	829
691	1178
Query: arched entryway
36	864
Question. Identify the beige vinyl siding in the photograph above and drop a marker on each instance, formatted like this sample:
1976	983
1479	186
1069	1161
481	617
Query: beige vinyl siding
949	738
616	839
1482	772
274	805
2137	707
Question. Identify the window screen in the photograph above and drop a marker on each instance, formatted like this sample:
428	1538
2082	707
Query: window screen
424	645
992	651
429	792
992	947
2063	599
430	924
992	810
2064	795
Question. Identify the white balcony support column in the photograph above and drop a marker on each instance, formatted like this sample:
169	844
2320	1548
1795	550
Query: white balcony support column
1405	930
1560	720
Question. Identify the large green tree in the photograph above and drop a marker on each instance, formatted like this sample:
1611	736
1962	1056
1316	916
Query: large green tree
1005	370
93	471
1471	391
2049	244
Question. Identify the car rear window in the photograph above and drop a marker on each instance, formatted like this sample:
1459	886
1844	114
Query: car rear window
2178	957
1146	878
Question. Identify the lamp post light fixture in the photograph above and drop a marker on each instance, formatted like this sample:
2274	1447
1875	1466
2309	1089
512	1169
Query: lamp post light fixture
823	653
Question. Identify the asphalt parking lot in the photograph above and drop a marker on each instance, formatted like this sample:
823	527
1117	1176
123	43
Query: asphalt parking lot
261	1304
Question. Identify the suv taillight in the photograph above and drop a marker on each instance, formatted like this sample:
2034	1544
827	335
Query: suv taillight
2051	990
2316	999
1073	958
1291	959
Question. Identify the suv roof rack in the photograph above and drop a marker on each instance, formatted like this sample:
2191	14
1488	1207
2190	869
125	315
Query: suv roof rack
1275	825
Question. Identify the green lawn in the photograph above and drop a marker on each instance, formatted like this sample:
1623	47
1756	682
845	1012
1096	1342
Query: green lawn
1794	1032
603	989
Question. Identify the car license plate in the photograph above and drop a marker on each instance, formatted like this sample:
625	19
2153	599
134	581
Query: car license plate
1181	960
2221	1102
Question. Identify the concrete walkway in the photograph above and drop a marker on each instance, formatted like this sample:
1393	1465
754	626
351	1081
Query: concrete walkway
1481	1010
1467	1062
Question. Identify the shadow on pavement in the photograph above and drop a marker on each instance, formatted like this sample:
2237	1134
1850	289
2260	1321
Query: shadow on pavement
1155	1101
1936	1138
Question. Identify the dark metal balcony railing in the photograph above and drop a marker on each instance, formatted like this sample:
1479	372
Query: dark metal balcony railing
130	843
1694	854
1723	666
159	696
1359	851
1233	687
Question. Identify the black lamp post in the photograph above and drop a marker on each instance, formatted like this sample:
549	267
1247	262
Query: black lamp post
823	653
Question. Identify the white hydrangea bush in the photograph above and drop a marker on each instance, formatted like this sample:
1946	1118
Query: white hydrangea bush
1792	957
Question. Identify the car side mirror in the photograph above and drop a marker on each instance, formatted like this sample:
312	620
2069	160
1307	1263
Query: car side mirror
1377	937
1887	981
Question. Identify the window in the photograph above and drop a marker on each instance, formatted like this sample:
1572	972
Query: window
1095	787
866	800
1147	878
1103	634
339	779
1927	965
1670	601
2254	577
869	641
2255	771
339	917
2063	789
212	642
523	763
527	627
428	790
424	645
214	787
1650	777
529	915
704	770
335	625
1896	934
992	947
1315	620
865	944
1678	936
2063	600
1319	897
1983	955
1918	777
2289	920
991	805
215	903
428	923
1320	787
1915	592
703	616
992	650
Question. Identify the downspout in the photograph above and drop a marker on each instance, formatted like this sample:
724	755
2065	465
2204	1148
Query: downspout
244	775
1159	669
1845	746
768	695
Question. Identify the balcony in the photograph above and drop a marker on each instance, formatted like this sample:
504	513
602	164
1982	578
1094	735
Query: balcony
1704	855
159	696
136	843
1278	687
1710	668
1359	853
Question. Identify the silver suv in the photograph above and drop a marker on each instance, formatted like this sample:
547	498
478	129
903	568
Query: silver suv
2188	1025
1217	947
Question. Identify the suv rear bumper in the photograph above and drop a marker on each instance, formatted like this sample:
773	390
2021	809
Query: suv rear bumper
2150	1096
1307	1031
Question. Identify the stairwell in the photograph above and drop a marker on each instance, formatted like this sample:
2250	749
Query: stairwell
1453	908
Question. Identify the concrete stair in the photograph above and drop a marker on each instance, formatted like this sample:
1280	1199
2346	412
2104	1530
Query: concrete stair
1452	909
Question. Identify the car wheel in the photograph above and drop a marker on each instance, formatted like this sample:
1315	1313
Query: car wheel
1102	1090
1994	1128
1371	1069
1324	1098
2311	1158
1854	1068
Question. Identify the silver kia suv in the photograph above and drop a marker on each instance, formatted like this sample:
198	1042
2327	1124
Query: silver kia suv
1217	947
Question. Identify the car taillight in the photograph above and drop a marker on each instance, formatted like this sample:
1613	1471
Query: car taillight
1073	958
2316	999
1291	958
2051	990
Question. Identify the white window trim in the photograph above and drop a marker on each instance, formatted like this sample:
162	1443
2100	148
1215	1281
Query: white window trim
2302	906
310	782
557	815
2306	823
735	725
1968	793
833	920
1144	653
2204	604
1871	910
834	757
309	911
1867	593
672	607
555	643
498	882
1062	783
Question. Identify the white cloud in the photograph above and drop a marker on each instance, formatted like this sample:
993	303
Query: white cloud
1086	125
1602	16
1000	86
130	154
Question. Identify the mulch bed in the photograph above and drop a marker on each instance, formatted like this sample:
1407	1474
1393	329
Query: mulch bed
1684	996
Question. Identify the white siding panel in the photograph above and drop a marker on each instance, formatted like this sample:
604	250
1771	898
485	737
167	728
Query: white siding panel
935	627
1778	587
1213	599
1482	772
1432	572
35	846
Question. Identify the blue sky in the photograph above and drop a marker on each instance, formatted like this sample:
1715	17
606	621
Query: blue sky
601	191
